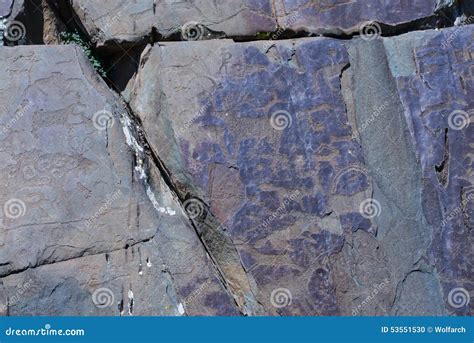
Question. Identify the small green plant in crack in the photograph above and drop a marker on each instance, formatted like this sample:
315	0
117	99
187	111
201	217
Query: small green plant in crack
76	38
263	35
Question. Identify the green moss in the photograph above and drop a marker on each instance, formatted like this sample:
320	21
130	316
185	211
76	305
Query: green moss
75	38
263	35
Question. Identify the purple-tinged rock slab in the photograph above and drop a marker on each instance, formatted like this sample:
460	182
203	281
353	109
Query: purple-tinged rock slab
79	211
127	22
338	16
5	8
261	135
435	79
316	159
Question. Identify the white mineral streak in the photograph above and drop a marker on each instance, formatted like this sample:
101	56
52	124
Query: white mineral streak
180	309
132	142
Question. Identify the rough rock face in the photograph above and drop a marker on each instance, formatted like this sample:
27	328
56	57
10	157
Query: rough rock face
252	131
10	8
131	22
439	123
348	15
226	152
305	176
5	8
134	22
76	214
426	179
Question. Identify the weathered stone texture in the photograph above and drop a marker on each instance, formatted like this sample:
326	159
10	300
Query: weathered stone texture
287	191
306	176
348	15
132	22
76	214
436	87
285	194
5	7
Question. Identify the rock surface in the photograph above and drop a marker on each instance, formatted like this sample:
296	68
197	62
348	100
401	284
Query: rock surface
439	120
348	15
260	137
125	23
5	8
226	152
76	215
133	22
248	176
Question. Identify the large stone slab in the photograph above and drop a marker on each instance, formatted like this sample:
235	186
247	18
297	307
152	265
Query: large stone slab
436	88
131	22
307	155
121	282
262	136
53	148
348	16
403	231
312	176
80	209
